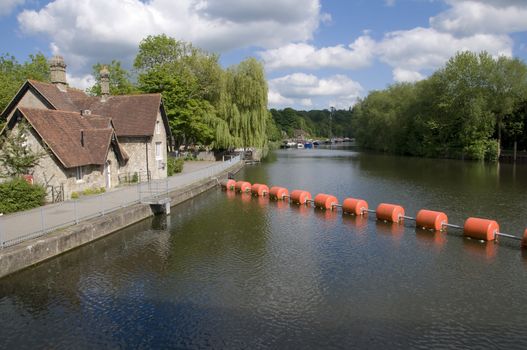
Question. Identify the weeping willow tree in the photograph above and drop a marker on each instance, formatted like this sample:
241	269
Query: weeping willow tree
245	104
205	104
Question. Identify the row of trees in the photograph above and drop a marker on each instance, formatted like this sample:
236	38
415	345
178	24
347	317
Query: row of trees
469	109
205	104
313	122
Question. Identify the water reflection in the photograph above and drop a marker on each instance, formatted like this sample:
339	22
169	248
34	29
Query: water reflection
486	250
435	238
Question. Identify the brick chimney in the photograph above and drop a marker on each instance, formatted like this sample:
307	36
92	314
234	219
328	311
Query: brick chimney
57	69
105	83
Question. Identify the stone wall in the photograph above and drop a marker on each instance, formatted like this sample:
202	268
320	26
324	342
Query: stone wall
137	148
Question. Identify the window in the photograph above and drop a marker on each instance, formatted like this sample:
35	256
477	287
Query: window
159	153
78	173
158	127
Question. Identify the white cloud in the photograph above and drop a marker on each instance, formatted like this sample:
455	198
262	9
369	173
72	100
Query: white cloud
7	6
403	75
358	54
411	51
480	17
80	82
99	30
309	90
275	99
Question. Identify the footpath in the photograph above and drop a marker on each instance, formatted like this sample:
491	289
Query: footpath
195	179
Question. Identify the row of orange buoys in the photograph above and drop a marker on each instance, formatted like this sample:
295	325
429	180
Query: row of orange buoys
478	228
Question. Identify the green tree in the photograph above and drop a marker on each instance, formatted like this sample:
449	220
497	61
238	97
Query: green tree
16	158
120	80
13	74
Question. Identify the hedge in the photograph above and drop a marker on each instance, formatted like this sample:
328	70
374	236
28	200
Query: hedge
17	195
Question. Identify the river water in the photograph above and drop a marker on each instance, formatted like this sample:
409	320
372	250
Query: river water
231	271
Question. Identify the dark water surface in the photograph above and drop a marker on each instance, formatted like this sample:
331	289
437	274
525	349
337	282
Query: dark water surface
237	272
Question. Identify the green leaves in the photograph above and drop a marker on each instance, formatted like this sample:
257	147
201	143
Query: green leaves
454	113
13	74
120	80
204	103
16	158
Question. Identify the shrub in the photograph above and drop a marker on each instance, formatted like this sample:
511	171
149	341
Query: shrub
17	195
174	165
93	190
74	195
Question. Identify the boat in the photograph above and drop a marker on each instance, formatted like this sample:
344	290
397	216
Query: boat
299	145
308	145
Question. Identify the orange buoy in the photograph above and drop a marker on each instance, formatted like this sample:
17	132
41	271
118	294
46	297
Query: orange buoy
524	239
243	186
354	206
278	193
481	228
300	197
432	220
325	201
259	190
389	212
228	185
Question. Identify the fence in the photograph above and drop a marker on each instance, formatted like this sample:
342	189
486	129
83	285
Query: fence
18	227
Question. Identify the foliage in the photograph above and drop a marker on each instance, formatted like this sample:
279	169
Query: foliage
13	74
120	80
204	103
174	165
16	158
314	122
459	111
88	192
17	195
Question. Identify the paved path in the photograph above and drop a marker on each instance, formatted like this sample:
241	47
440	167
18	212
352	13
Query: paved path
194	165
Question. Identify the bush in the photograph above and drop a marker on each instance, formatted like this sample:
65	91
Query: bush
88	192
17	195
174	165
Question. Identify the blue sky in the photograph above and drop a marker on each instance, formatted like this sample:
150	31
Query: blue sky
317	53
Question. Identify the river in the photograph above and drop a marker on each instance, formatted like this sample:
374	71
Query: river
231	271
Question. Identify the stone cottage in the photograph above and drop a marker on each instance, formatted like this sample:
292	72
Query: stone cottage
90	141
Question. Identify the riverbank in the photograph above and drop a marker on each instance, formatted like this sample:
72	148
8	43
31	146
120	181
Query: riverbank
31	252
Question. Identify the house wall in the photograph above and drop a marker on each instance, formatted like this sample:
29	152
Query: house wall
29	100
159	167
136	148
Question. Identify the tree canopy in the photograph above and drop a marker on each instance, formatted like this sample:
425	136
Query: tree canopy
205	104
13	74
459	111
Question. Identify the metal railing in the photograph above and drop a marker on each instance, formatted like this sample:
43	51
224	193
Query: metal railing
18	227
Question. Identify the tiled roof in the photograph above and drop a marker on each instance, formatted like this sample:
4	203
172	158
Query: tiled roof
132	115
75	140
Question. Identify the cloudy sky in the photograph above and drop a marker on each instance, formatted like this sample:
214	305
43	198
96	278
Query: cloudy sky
317	53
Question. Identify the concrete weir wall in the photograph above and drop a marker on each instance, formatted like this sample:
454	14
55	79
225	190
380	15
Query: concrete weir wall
31	252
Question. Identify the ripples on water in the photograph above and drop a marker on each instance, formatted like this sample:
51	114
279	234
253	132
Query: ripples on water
231	271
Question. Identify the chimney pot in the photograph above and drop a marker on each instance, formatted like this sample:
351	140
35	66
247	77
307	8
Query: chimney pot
105	83
57	68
